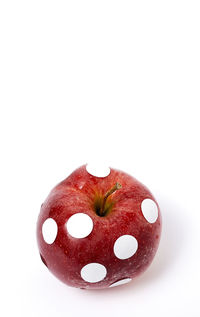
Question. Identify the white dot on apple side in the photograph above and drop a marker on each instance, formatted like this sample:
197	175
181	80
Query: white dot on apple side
49	230
93	272
125	247
98	170
121	282
149	210
79	225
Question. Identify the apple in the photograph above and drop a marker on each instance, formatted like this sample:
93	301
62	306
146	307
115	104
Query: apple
98	230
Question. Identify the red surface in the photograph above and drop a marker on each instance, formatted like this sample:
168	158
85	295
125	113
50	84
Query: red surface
67	255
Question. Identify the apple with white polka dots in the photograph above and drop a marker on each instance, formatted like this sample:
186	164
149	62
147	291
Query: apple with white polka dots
98	228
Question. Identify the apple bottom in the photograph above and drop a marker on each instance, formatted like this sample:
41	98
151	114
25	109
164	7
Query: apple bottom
67	265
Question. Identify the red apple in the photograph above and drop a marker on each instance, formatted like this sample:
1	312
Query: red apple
98	232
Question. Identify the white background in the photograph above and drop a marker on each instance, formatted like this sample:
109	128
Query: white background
115	81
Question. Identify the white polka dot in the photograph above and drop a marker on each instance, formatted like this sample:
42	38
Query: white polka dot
79	225
149	210
93	272
98	170
121	282
49	230
125	246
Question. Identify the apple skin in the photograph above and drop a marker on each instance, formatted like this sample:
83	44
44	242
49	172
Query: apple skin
67	255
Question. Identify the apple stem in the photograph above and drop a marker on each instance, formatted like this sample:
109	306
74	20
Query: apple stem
110	192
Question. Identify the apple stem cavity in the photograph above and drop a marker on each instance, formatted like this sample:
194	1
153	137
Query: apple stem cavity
102	210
